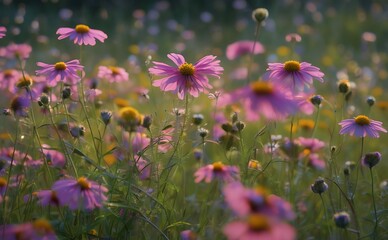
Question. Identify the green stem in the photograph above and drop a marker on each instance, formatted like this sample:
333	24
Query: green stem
374	204
316	122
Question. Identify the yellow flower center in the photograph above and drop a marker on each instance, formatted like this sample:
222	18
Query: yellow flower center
24	82
81	28
3	182
261	190
129	114
306	124
258	222
218	166
306	152
362	120
42	226
115	70
7	73
262	88
292	66
84	183
60	66
187	69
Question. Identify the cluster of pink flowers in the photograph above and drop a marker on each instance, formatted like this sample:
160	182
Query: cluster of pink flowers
262	215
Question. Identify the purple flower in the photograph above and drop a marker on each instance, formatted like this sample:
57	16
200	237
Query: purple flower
263	98
48	197
80	194
60	70
371	159
217	170
54	157
186	77
362	126
19	106
3	30
239	48
293	74
82	35
8	79
112	74
258	226
36	230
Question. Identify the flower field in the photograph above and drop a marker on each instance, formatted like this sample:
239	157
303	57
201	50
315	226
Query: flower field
193	120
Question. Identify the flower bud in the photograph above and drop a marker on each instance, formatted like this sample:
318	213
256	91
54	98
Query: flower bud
371	101
147	121
77	131
371	159
341	219
319	186
239	125
66	92
344	86
198	119
234	117
106	117
44	100
260	14
227	127
203	132
316	100
198	154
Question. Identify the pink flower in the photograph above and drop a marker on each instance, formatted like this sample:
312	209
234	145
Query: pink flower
143	167
293	37
304	103
3	30
244	201
258	226
186	78
217	170
54	157
16	51
48	197
263	98
8	79
239	48
112	74
39	229
60	70
293	74
92	93
362	126
313	144
82	35
80	194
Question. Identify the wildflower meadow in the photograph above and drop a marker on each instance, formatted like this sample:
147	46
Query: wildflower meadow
193	120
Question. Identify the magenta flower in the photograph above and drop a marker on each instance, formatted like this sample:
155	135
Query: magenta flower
48	197
8	79
362	126
263	98
54	157
80	194
3	30
82	35
313	144
293	75
217	170
60	70
39	229
244	201
239	48
112	74
13	50
186	78
258	226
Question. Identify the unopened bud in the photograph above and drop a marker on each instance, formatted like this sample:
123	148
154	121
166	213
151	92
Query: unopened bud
260	14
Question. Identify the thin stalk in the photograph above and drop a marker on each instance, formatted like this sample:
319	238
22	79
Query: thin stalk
374	204
315	122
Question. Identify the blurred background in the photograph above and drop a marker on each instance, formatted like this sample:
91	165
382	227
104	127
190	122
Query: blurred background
336	35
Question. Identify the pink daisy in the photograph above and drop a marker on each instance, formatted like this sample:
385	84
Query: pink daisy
3	30
263	98
293	74
8	79
54	157
48	197
258	226
39	229
313	144
244	201
16	51
81	193
186	78
82	35
362	126
240	48
112	74
60	70
217	170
